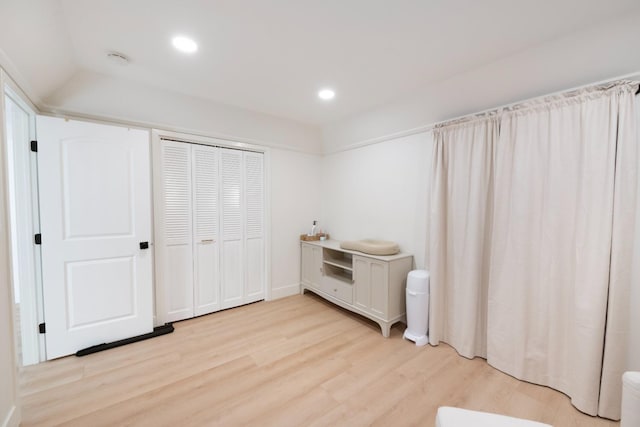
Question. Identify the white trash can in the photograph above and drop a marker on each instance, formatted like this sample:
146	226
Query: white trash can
630	399
417	307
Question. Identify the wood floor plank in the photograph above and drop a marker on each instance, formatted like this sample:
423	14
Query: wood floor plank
298	361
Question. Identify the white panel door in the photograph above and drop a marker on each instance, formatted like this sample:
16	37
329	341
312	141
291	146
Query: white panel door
174	242
232	219
95	201
254	226
205	229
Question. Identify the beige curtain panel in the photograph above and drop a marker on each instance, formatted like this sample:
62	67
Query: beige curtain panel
460	226
548	274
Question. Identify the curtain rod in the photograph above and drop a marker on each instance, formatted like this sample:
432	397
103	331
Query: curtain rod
429	127
633	76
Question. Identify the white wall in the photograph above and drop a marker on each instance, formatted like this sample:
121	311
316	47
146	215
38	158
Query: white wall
593	54
365	189
35	49
9	408
634	296
95	95
295	148
295	203
380	191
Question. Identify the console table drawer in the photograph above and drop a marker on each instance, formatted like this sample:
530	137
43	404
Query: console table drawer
338	289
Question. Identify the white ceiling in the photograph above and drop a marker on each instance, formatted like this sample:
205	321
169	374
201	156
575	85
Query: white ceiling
273	56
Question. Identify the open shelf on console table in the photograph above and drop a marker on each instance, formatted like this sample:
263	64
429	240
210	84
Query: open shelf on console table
370	285
345	265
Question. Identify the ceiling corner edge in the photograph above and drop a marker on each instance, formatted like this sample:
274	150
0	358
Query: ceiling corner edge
16	80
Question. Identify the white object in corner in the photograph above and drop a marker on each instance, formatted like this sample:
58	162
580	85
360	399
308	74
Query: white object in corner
456	417
630	416
417	307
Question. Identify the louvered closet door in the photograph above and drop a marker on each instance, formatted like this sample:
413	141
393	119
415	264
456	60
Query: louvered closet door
205	227
175	237
232	219
253	166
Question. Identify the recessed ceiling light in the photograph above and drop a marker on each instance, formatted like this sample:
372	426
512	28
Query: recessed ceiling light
326	94
184	44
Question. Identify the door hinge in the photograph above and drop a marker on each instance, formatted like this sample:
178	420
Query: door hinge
34	146
42	328
38	239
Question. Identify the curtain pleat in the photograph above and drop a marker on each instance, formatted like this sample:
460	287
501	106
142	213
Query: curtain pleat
622	249
532	225
460	230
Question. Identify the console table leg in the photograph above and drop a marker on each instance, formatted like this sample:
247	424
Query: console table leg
386	329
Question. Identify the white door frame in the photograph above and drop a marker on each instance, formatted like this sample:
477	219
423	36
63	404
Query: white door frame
156	136
27	258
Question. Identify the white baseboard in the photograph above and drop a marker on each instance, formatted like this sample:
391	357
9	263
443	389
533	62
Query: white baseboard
13	418
285	291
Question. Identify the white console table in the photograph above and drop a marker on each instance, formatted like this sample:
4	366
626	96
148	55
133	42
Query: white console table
370	285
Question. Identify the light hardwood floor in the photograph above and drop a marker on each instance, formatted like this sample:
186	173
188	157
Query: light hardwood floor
297	361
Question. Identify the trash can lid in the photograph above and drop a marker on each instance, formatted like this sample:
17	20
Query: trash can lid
418	281
419	274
